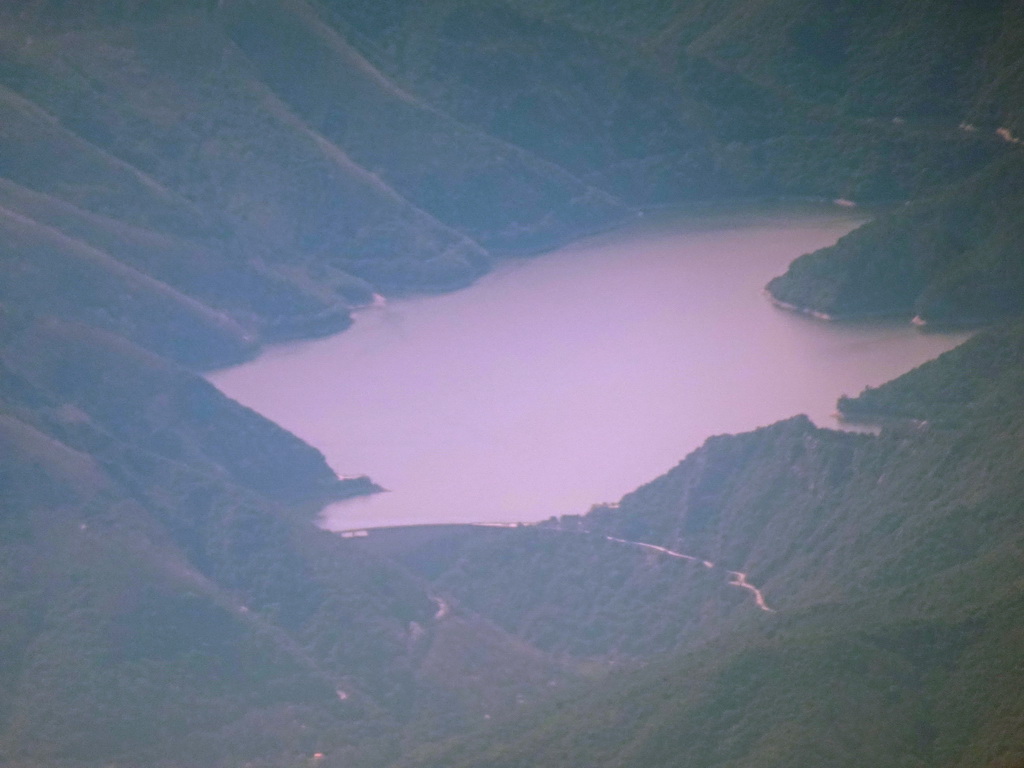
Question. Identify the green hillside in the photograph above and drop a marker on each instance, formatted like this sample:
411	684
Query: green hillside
183	183
165	594
947	259
892	564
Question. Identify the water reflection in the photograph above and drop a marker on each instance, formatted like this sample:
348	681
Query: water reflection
570	379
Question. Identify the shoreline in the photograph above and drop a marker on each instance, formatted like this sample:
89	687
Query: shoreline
377	514
918	322
742	211
853	317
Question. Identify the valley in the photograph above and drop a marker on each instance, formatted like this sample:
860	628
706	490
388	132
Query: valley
570	379
345	198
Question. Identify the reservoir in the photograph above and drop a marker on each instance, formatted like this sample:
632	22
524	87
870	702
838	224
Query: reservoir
569	379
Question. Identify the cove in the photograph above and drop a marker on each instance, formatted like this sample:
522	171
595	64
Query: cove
572	378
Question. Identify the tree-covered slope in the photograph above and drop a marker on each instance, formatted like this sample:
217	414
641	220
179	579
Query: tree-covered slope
280	162
165	598
627	99
951	258
183	182
893	565
980	379
252	160
925	60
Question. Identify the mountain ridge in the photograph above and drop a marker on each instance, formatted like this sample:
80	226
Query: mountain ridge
189	181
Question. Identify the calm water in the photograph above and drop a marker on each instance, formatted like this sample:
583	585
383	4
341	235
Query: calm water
572	378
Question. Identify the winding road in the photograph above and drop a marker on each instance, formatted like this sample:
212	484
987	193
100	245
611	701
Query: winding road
443	608
663	550
736	578
739	579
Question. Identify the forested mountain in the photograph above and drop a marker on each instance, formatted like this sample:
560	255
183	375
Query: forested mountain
891	565
162	579
182	183
951	258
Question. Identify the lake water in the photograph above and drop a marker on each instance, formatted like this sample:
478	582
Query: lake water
572	378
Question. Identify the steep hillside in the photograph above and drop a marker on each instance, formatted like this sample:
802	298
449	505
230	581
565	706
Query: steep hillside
952	258
628	100
892	565
149	403
278	163
979	380
568	592
182	183
935	60
165	596
255	162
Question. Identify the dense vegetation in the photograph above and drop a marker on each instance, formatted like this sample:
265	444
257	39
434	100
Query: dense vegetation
893	566
184	182
254	171
164	593
980	380
951	258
